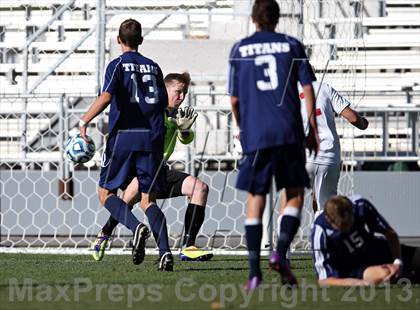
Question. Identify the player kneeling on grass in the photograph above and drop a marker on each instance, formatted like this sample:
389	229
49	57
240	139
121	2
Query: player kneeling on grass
178	124
347	252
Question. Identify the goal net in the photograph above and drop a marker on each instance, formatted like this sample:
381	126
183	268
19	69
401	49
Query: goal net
52	68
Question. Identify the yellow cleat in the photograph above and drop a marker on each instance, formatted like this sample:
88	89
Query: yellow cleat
99	245
193	253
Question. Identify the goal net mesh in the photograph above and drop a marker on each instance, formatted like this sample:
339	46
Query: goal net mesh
50	68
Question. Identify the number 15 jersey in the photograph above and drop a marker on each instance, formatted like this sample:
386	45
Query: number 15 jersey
139	100
338	254
264	70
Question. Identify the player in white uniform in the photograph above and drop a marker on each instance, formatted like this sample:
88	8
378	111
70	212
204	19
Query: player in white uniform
324	169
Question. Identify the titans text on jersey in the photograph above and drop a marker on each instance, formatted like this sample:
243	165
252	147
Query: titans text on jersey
264	70
132	67
264	48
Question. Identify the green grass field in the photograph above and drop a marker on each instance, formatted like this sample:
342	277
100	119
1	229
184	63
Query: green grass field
77	282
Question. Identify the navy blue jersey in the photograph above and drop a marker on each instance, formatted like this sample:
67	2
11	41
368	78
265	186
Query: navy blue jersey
264	70
337	254
139	100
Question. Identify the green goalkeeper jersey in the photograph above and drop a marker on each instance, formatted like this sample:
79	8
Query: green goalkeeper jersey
171	135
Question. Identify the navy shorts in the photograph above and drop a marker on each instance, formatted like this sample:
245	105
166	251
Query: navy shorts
379	254
286	163
119	169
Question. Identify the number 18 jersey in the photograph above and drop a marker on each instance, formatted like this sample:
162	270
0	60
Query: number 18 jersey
139	99
264	70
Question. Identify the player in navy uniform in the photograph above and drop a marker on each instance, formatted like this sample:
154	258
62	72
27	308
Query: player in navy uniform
178	123
264	70
348	251
134	87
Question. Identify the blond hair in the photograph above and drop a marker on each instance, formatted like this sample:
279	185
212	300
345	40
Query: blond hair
183	78
339	210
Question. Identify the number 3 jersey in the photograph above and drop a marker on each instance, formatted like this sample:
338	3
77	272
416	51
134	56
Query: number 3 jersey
139	100
264	70
338	254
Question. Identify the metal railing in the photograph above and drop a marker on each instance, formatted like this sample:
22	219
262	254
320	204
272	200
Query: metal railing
393	133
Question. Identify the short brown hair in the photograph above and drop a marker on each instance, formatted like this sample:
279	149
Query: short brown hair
339	210
130	33
183	78
266	14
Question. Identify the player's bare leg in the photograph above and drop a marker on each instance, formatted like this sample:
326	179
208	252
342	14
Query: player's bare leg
253	231
196	190
131	195
197	193
290	210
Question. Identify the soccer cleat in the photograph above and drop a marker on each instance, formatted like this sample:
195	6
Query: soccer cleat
253	283
283	268
166	262
412	276
193	253
99	245
139	243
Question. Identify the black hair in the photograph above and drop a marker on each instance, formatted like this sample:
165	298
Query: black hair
130	33
266	14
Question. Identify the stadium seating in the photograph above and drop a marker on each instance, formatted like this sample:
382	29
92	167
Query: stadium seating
387	60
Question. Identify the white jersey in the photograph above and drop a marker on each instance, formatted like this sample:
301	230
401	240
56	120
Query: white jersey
328	101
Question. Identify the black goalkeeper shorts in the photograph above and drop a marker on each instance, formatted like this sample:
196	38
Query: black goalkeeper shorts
173	186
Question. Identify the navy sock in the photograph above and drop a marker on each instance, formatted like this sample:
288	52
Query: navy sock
289	226
110	225
121	212
253	232
194	218
157	222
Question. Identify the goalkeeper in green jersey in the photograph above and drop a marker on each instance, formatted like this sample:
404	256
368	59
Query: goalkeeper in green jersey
178	122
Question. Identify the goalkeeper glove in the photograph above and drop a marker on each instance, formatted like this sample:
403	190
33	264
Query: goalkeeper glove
185	118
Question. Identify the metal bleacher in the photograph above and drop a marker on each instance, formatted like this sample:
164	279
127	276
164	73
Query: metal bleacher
61	60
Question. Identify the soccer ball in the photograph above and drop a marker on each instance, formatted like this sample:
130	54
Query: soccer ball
78	150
